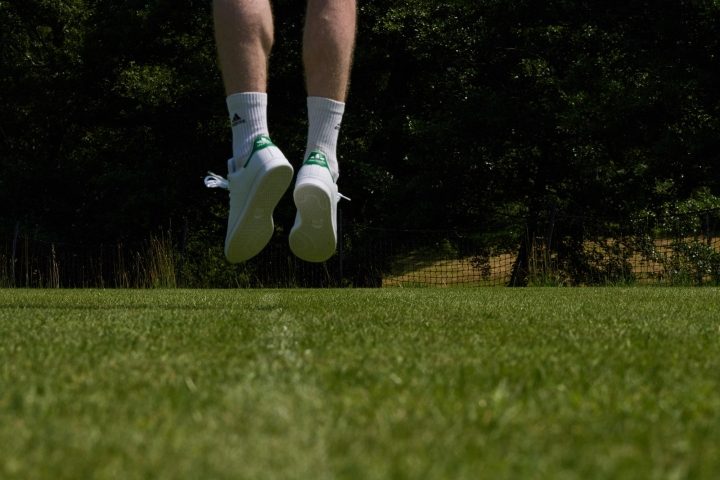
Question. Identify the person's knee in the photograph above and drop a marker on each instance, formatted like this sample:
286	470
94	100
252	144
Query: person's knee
252	21
332	11
257	27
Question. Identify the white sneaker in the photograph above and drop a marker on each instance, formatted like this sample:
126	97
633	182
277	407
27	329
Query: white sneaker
255	190
313	238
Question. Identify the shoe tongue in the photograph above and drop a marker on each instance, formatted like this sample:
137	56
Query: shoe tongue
231	165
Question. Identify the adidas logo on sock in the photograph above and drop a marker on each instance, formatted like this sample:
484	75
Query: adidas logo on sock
237	120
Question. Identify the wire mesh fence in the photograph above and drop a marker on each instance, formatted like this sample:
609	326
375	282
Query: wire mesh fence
545	249
552	249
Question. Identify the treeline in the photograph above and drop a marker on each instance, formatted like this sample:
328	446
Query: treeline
459	111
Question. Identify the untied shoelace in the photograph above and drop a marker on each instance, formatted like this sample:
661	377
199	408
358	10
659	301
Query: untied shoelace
213	180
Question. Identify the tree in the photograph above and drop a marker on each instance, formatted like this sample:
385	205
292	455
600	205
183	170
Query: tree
461	113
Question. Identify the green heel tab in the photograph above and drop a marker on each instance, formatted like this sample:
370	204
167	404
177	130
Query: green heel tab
317	158
261	142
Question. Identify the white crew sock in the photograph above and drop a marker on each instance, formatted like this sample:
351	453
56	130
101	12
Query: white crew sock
248	117
324	119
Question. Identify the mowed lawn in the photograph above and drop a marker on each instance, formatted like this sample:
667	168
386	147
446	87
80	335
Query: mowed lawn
339	384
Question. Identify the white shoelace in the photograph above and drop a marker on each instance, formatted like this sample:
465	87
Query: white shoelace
213	180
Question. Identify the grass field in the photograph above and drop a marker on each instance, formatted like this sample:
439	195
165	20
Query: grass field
393	383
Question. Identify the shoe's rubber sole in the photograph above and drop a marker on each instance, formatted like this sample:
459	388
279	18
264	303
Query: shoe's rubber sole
254	226
313	237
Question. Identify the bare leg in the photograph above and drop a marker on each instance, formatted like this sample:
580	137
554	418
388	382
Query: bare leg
244	37
328	44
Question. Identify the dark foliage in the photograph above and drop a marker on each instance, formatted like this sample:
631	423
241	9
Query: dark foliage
459	111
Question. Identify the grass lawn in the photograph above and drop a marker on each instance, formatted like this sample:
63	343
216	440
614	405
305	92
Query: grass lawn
393	383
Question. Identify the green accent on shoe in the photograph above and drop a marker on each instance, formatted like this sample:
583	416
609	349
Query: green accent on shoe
317	158
261	142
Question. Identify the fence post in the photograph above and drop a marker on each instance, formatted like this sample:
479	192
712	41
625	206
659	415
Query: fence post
341	250
708	239
14	252
181	264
